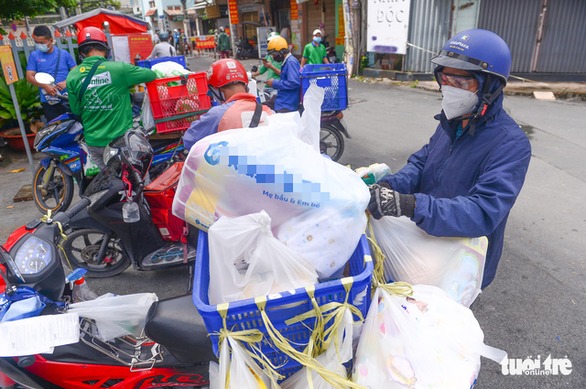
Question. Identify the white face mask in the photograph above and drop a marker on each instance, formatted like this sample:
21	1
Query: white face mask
457	102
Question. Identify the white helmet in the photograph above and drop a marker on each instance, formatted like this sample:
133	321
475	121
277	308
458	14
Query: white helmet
317	31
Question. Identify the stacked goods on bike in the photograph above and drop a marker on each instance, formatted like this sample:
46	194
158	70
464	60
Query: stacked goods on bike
177	97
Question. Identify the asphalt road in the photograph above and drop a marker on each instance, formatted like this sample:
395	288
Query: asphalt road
537	304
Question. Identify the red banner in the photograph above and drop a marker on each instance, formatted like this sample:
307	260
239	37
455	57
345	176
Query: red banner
205	42
294	10
141	45
233	11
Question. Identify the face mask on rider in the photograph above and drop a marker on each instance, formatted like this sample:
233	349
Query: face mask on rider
317	39
43	47
278	57
457	102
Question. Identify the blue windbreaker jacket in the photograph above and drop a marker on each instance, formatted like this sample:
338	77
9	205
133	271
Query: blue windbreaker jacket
466	187
289	86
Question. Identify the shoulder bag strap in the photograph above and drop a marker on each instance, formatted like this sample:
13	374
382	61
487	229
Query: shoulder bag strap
256	117
87	80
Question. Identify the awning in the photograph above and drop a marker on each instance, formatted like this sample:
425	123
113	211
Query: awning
119	23
151	12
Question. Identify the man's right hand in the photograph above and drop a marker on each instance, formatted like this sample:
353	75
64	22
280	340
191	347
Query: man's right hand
50	89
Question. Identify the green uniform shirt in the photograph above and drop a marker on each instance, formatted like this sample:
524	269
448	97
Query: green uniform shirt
223	42
270	72
105	109
315	55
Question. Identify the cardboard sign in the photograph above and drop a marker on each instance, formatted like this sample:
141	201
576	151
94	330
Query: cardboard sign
8	66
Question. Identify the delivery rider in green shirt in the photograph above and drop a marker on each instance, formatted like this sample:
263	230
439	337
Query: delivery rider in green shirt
104	104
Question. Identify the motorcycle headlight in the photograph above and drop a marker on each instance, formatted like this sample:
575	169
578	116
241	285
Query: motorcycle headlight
109	153
33	256
41	134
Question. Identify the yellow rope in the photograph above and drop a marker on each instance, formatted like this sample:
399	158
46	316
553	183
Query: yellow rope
304	359
46	218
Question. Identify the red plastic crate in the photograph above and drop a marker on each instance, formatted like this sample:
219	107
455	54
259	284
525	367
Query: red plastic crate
177	101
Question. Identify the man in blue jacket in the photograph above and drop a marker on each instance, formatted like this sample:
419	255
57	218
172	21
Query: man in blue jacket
464	182
289	85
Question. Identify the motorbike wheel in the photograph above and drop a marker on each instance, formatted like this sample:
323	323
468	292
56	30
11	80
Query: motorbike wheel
58	194
331	142
82	246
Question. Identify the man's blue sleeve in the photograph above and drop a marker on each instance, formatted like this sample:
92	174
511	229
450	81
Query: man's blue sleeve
69	60
291	81
32	62
206	125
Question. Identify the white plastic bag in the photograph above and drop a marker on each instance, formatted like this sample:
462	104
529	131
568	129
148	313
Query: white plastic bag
238	172
117	315
247	261
236	369
146	115
427	341
454	264
169	69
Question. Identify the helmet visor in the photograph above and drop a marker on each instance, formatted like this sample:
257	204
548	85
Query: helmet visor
458	61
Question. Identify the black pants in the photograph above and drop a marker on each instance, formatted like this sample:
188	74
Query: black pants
52	111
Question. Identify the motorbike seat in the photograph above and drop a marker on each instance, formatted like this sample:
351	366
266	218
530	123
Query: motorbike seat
176	324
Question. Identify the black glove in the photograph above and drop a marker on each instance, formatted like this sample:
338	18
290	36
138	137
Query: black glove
387	202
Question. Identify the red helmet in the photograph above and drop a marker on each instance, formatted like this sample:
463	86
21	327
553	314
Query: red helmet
93	36
226	71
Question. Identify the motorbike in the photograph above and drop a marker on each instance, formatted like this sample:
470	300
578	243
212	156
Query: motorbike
67	160
244	50
333	129
173	350
129	221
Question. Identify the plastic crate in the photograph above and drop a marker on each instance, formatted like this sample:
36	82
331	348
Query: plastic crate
331	77
148	63
244	314
177	101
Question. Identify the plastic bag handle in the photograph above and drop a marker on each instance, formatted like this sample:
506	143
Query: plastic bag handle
493	353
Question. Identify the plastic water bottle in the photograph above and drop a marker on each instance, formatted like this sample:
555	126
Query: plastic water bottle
80	291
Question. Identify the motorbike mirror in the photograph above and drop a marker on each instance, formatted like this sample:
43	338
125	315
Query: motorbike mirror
44	78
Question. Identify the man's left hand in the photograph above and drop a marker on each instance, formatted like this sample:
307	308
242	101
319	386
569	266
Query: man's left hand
61	85
387	202
269	82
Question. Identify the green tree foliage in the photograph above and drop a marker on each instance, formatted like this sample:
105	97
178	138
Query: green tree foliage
88	5
18	9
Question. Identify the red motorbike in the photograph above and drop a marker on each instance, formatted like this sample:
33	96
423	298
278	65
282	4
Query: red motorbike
173	352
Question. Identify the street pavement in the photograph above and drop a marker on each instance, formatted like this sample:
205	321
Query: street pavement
535	308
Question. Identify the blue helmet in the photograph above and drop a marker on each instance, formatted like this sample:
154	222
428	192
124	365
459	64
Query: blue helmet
476	50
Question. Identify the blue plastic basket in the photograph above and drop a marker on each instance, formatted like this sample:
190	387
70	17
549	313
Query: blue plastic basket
148	63
244	314
331	77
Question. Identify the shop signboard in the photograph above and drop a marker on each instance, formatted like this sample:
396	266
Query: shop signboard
262	33
388	24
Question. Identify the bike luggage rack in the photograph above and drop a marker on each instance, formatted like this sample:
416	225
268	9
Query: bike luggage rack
245	315
333	79
127	350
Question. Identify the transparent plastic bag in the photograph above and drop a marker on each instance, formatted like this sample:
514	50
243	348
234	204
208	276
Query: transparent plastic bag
424	341
246	260
454	264
117	315
236	369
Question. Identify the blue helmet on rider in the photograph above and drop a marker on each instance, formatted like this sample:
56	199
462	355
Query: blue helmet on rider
477	50
484	54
